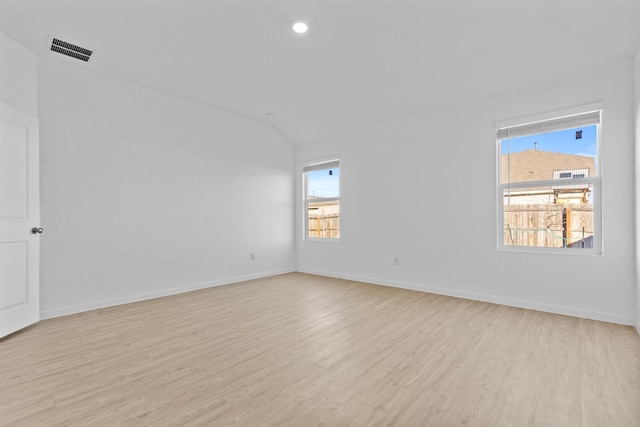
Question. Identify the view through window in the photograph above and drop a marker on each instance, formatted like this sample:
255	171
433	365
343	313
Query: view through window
322	200
549	182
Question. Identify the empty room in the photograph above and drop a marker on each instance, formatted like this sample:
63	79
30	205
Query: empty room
320	213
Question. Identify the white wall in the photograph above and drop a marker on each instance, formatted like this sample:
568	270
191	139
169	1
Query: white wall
427	174
18	76
637	193
144	194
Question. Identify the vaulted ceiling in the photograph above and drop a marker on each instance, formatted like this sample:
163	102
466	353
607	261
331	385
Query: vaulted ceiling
361	63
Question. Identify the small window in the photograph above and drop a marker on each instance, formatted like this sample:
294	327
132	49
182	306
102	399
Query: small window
538	209
322	200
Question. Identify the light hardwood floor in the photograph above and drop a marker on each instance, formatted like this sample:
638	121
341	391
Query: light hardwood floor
302	350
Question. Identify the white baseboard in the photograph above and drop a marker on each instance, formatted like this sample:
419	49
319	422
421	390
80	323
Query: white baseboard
512	302
48	314
550	308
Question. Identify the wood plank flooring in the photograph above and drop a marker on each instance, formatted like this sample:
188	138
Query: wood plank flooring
303	350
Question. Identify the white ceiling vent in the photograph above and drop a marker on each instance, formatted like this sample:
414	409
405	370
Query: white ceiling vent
69	49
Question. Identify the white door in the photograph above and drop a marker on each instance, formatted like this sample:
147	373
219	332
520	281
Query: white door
19	220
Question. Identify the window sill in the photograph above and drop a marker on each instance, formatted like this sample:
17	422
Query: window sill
555	251
322	239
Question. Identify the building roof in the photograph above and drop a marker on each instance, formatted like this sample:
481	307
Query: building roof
538	165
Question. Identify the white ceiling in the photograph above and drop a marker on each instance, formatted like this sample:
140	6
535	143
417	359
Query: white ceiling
363	62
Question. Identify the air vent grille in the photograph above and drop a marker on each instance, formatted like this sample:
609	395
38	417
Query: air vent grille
70	49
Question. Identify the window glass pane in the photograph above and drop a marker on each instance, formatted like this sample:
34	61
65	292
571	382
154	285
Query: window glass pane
545	217
323	202
324	183
546	156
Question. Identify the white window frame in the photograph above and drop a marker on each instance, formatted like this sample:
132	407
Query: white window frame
538	122
319	164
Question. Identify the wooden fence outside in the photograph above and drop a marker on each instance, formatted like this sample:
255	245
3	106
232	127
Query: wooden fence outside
549	226
324	225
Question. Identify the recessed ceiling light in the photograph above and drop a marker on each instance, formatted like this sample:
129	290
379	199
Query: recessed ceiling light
300	27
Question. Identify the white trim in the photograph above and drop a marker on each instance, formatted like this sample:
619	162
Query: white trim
555	251
49	314
552	125
323	239
18	117
541	117
562	182
598	236
494	299
331	164
320	160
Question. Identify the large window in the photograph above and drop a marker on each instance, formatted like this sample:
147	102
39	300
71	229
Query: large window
548	184
322	200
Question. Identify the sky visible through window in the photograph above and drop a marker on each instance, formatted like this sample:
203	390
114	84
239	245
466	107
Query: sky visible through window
321	184
563	141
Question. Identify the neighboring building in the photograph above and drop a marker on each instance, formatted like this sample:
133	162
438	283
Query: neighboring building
537	165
